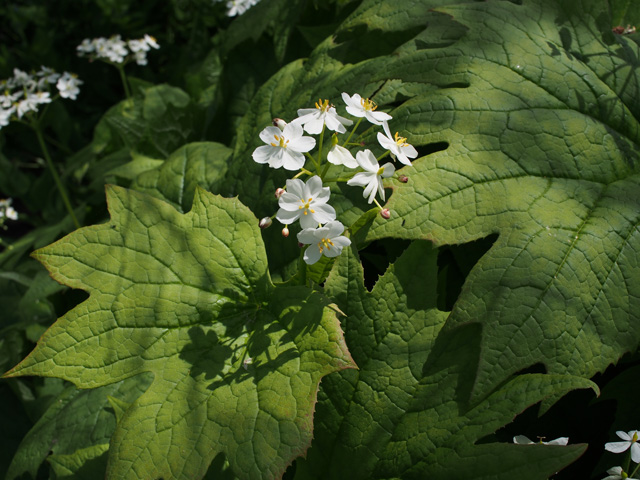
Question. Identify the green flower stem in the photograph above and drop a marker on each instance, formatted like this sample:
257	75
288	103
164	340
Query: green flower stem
320	146
314	161
635	470
353	131
125	83
383	155
376	202
54	173
324	172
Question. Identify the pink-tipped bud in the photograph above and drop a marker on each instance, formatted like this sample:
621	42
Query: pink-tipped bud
279	192
385	213
403	178
265	222
362	144
285	232
300	244
280	123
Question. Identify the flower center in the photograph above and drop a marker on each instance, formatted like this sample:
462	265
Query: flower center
325	243
323	106
380	171
368	105
306	206
401	141
282	142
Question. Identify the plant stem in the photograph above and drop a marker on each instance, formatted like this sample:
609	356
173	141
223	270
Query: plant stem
125	83
352	131
54	173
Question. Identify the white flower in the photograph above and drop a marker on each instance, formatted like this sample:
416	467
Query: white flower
326	241
8	99
313	119
522	440
616	473
30	104
238	7
397	145
68	85
371	178
363	107
138	45
141	57
630	441
87	46
47	75
21	79
284	148
341	156
307	202
151	41
6	210
5	115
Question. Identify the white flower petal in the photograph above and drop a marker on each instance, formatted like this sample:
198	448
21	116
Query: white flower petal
287	217
635	452
617	447
312	254
291	160
307	236
361	179
521	440
389	169
296	187
269	133
324	213
341	156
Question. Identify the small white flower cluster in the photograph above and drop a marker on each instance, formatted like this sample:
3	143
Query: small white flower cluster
116	50
630	442
7	211
286	147
25	92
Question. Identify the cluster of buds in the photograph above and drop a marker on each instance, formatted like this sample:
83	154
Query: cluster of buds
24	93
117	51
287	147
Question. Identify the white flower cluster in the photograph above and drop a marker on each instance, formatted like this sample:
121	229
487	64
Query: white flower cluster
25	92
286	146
6	210
629	442
116	50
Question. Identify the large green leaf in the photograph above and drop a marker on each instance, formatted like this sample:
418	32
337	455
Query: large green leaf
404	413
76	419
542	133
201	164
236	361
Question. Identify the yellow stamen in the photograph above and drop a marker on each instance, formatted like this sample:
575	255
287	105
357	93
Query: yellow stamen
368	105
325	243
282	142
401	141
324	106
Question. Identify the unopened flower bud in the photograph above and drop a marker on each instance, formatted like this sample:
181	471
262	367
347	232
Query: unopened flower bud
403	178
385	213
279	192
285	232
280	123
334	139
265	222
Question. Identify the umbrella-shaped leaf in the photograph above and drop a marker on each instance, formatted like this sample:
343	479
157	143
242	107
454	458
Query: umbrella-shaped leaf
404	413
187	297
543	150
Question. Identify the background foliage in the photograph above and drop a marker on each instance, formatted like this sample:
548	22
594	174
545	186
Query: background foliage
504	286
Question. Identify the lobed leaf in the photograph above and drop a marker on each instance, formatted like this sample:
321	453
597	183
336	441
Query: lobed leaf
236	361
